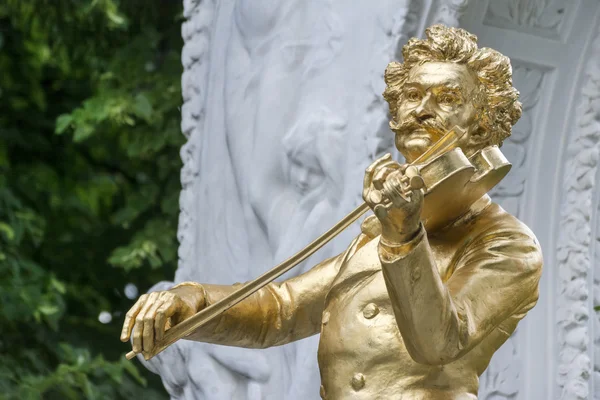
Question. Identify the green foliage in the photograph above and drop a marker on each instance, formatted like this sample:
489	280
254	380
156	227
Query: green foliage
89	169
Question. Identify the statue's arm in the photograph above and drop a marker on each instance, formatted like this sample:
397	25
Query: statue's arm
496	277
277	314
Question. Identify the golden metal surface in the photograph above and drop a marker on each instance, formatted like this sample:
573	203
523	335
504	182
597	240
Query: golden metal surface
437	280
413	181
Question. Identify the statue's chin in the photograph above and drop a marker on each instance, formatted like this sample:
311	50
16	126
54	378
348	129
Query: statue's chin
414	147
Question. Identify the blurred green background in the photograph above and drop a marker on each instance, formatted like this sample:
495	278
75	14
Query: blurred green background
89	187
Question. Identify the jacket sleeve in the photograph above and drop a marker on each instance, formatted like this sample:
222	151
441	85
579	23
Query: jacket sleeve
278	313
495	277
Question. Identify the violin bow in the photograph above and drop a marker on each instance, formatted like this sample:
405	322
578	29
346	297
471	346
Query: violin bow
188	326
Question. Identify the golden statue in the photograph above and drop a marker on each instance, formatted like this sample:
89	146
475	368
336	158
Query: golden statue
439	277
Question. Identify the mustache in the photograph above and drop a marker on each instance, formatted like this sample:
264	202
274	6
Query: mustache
432	125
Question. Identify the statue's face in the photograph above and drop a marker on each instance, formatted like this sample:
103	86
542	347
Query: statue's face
436	97
305	173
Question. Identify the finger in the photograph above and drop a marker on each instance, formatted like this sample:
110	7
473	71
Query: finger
417	195
381	211
148	335
130	317
138	329
369	172
385	158
166	311
382	172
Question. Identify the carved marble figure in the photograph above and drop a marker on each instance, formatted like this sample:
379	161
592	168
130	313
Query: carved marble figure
416	306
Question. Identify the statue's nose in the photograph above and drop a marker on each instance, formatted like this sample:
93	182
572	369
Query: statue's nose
424	110
303	176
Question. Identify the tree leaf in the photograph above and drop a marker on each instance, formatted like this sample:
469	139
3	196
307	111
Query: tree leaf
82	132
48	309
142	107
63	122
7	230
91	93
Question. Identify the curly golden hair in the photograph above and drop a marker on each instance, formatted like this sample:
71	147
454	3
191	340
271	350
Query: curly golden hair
498	105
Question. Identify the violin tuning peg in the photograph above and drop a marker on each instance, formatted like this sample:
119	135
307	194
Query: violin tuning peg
417	182
414	178
376	196
411	171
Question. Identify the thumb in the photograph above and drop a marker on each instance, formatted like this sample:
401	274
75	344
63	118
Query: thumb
418	195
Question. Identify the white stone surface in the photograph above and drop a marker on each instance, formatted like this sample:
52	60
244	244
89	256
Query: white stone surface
283	111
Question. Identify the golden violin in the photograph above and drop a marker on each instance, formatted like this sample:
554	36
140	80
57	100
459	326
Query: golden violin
451	183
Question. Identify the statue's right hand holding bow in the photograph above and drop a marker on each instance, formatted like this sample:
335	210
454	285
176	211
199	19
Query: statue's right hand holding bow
154	313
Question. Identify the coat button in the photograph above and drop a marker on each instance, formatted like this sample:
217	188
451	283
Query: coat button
322	391
325	319
358	381
370	310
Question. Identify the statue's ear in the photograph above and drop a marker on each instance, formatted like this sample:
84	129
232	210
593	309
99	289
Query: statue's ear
480	137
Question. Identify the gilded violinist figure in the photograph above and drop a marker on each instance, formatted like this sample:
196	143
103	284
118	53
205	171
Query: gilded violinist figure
403	312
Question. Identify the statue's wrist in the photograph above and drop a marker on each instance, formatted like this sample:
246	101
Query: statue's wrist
191	292
392	248
398	237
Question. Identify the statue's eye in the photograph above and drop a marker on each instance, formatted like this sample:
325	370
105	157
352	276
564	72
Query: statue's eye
413	95
447	98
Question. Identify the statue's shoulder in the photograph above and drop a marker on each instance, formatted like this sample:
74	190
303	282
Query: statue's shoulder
497	217
488	222
496	221
486	217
